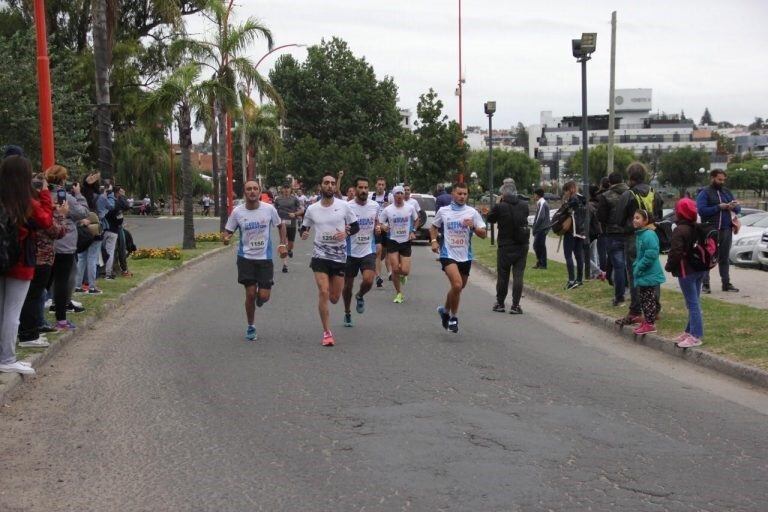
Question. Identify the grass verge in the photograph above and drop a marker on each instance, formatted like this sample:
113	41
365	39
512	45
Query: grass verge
142	269
731	330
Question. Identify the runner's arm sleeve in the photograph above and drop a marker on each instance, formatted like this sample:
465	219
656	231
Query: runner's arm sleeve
477	220
350	217
354	227
438	220
276	220
231	225
307	222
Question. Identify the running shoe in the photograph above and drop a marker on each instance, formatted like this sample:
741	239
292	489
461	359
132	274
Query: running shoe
328	340
379	282
65	325
46	328
689	342
444	316
453	324
681	336
498	308
398	298
645	328
290	254
347	319
515	310
94	291
250	333
360	305
570	285
40	342
285	269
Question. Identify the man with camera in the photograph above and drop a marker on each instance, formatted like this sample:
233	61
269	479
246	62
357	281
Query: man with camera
511	215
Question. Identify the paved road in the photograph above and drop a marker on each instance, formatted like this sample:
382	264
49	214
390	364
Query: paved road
165	231
751	282
166	407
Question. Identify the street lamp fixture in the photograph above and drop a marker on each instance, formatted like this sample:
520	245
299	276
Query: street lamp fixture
490	109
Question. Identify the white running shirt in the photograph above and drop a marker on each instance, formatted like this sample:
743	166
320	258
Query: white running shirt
363	242
411	201
327	221
457	238
400	221
255	230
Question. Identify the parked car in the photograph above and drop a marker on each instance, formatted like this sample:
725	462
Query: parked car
426	215
552	213
762	250
745	249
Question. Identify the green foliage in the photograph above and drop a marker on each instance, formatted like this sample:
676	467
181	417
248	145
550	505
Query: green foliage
19	121
506	164
521	136
680	167
598	162
749	175
141	161
706	118
725	145
339	115
436	145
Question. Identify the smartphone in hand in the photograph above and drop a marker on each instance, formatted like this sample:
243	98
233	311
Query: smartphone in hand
61	196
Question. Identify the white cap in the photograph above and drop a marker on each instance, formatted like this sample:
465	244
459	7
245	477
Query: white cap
397	189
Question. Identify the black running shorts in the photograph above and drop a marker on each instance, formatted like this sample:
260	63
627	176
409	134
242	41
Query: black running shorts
255	272
332	268
291	232
403	248
464	266
355	265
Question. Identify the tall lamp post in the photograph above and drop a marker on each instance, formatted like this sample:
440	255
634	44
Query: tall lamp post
490	109
583	49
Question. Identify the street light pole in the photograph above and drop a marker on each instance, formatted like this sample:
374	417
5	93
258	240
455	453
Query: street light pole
490	109
44	87
173	174
582	50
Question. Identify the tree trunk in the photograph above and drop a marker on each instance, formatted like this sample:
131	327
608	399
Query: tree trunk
102	62
185	140
223	211
215	160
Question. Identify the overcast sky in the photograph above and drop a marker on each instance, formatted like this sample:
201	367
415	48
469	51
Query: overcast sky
693	54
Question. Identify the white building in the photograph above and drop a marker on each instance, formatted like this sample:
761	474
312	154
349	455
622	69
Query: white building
635	128
477	139
405	118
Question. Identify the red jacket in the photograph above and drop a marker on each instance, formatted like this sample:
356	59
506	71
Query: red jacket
41	218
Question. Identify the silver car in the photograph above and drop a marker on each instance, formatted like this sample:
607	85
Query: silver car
427	214
745	249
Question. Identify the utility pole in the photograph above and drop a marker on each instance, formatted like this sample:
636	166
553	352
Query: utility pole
44	87
612	99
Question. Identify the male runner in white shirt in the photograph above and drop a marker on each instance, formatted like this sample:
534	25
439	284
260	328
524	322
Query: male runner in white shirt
361	249
255	270
398	220
457	222
333	221
383	199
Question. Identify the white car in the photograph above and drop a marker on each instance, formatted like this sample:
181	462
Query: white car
745	249
762	250
427	214
552	212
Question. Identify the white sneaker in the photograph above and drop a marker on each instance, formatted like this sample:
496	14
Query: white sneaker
48	303
17	367
76	304
38	343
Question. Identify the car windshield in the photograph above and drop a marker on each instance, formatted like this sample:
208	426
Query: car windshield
426	203
759	220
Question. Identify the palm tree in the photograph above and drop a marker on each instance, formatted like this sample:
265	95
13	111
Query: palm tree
182	92
262	132
224	55
103	28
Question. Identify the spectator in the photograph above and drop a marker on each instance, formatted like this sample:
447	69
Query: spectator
24	210
717	207
609	214
573	240
646	269
690	280
113	234
206	201
511	215
541	224
639	196
442	197
32	313
146	206
591	252
88	260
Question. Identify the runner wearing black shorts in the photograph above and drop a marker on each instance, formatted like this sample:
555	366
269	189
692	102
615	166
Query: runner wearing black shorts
255	270
290	209
399	221
361	250
333	221
383	199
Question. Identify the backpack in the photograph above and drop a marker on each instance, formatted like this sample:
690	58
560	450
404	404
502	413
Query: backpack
664	232
85	238
562	221
646	203
704	253
10	250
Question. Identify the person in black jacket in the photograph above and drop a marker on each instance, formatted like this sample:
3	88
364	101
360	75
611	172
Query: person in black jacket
541	225
574	240
611	217
511	216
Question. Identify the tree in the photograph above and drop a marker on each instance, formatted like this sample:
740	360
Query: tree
758	124
680	167
706	118
521	136
598	162
725	145
437	147
506	164
336	106
102	56
749	175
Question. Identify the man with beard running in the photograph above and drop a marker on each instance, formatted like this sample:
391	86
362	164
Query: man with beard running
333	221
457	222
255	270
361	249
289	208
398	220
383	199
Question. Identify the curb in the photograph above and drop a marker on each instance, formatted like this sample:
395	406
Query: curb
9	382
741	371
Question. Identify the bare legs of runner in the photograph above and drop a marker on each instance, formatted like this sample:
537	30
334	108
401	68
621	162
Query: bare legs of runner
329	289
458	282
365	286
253	297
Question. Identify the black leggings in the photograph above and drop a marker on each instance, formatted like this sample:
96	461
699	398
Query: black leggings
29	328
62	269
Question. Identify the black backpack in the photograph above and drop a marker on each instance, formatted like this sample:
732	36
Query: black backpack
10	250
664	232
704	253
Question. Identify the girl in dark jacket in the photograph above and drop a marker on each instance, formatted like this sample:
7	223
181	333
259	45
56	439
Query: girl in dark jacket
573	241
683	238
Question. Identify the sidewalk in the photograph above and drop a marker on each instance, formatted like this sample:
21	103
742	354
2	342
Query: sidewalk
752	283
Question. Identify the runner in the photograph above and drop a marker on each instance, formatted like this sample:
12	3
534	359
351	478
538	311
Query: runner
398	220
361	250
383	199
255	270
289	208
333	221
457	222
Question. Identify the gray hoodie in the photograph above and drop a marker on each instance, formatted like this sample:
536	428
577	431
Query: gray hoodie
78	210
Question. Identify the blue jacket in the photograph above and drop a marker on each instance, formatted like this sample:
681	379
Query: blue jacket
443	199
707	205
647	269
105	203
